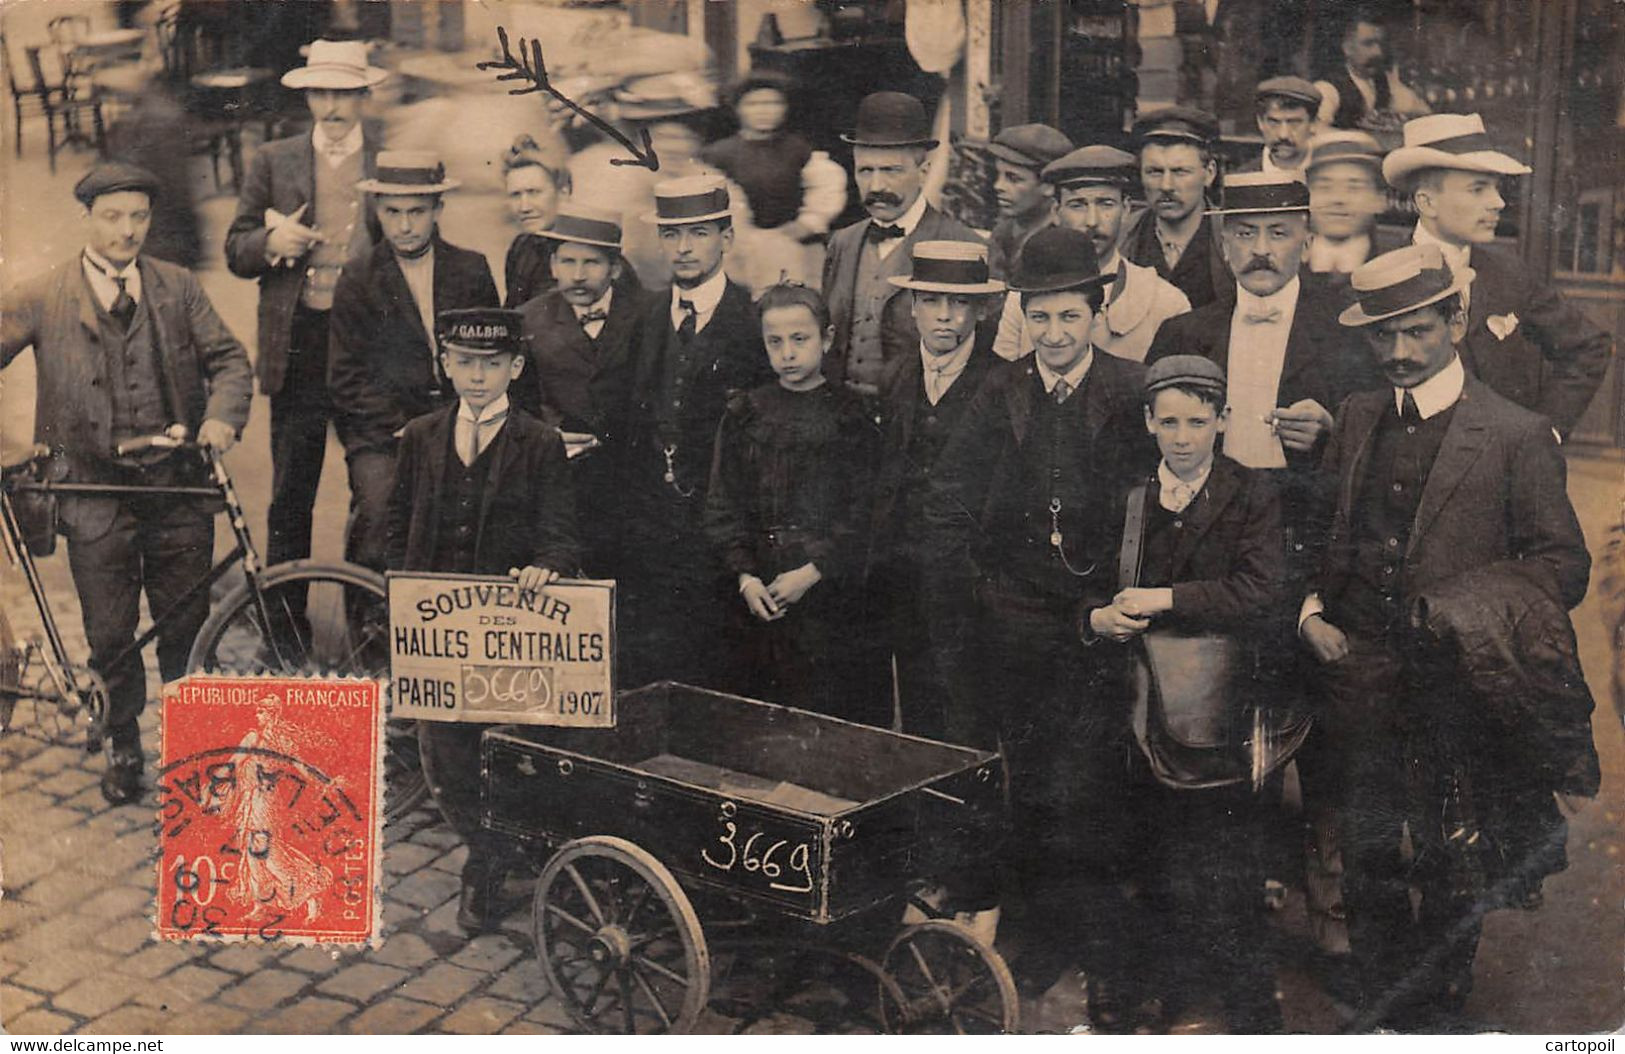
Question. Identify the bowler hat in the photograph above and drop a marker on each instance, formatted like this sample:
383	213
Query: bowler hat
408	172
692	199
1029	145
481	330
585	225
1292	89
1056	259
1186	371
949	267
112	176
1342	144
335	65
1099	165
1178	124
1263	192
890	118
1399	282
1449	140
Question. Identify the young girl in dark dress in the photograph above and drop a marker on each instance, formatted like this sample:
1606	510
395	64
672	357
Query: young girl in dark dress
786	510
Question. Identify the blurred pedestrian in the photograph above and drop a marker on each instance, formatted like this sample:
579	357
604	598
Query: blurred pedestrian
145	135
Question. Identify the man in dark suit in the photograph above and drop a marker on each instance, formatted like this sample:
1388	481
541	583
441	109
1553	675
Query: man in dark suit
1436	477
697	343
923	398
1523	339
382	368
1174	235
299	218
1288	361
1366	92
581	337
126	347
890	146
1018	514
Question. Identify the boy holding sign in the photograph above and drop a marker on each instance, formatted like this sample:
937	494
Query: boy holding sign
480	488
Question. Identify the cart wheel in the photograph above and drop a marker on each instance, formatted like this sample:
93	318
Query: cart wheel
618	939
953	984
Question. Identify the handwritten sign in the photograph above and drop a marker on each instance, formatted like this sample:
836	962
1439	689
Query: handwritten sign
752	855
479	648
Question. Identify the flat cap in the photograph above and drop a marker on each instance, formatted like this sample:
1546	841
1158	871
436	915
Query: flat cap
1184	123
1105	165
1294	89
481	330
109	177
1029	145
1344	144
1194	371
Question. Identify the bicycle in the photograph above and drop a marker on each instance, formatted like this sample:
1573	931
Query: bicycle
295	618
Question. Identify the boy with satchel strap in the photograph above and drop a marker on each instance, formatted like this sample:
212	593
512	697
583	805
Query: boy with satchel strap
1202	574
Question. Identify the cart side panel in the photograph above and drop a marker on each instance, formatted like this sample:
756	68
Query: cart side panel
537	795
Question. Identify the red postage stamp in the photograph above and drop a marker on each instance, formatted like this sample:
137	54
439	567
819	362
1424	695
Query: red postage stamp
269	822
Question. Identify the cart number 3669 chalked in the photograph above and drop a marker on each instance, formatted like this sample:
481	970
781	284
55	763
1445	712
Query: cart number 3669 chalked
758	857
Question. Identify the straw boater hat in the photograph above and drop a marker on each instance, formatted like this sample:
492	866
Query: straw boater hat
1097	165
585	225
1399	282
1258	193
1449	140
408	172
1291	89
1057	259
692	199
889	118
1342	144
949	267
1029	145
481	330
336	65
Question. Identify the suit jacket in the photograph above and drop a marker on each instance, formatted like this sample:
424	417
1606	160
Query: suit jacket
1201	273
582	385
380	368
282	176
527	510
1496	498
205	369
841	277
1552	360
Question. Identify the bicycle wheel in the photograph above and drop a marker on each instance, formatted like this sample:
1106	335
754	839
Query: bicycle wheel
323	619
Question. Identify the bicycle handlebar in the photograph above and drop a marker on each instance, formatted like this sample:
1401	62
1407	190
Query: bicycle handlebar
175	438
37	453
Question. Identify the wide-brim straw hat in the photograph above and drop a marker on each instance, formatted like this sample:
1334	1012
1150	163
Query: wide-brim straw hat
408	172
1399	282
949	267
1449	140
336	65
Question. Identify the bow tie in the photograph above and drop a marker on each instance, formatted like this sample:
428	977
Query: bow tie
592	316
1261	318
885	232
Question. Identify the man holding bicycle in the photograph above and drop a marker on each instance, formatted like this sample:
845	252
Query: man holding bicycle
128	346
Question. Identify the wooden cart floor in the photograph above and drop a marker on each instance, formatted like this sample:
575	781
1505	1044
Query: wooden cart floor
745	785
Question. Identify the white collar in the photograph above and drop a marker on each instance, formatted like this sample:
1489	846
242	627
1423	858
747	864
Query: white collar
1269	164
340	150
1073	377
496	408
1436	394
1169	485
1284	300
951	364
106	267
910	219
1457	256
601	304
705	297
1343	256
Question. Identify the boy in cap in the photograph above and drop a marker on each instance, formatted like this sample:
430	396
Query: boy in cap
1174	235
1523	339
891	145
1286	109
1204	534
1451	502
697	343
479	487
126	347
382	368
1025	204
1092	187
923	399
581	338
300	216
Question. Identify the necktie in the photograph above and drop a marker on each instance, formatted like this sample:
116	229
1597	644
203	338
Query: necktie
475	430
884	232
1061	391
1178	497
1262	318
1407	408
685	331
123	307
589	317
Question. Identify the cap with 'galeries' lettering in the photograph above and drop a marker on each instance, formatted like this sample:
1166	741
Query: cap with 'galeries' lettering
481	330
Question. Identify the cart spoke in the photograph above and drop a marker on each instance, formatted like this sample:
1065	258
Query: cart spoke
635	906
559	913
664	971
654	997
626	1000
586	894
590	1004
925	968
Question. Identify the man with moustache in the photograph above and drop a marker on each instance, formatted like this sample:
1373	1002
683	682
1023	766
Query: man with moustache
1345	198
696	344
1019	520
581	338
1366	93
890	147
1523	339
383	368
1092	195
127	347
1450	499
300	217
1174	236
1286	112
1025	204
